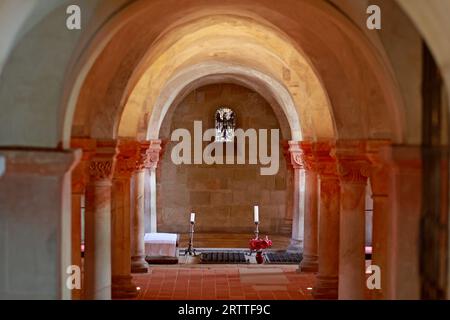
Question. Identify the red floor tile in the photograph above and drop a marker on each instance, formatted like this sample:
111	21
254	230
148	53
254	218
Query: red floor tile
217	282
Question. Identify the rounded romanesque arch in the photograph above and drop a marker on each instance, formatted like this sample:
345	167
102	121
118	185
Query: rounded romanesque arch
294	46
332	85
216	72
303	33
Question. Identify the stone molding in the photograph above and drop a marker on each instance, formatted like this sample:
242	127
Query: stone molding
101	165
353	165
80	174
301	155
295	154
142	159
105	159
154	153
324	156
149	154
39	162
126	158
309	162
353	171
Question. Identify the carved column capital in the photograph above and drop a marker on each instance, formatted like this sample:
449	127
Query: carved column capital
101	165
309	161
325	160
295	155
301	155
126	158
353	171
353	164
142	155
80	174
149	154
154	152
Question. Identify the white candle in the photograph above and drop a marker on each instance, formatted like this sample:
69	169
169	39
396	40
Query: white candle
256	214
192	217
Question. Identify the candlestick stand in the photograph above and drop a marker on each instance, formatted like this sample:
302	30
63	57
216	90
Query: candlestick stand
190	250
256	230
256	236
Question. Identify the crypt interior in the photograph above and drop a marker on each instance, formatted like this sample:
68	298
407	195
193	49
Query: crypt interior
88	177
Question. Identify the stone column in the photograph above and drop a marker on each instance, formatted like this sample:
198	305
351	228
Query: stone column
353	169
405	194
122	284
154	152
35	249
98	222
379	181
286	224
297	199
77	194
326	286
138	263
310	260
80	177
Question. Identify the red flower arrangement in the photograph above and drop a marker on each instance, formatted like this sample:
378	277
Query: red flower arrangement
258	245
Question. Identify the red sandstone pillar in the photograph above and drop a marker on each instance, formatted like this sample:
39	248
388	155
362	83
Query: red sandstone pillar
80	177
310	239
353	168
379	180
98	222
405	194
122	284
77	194
326	286
138	263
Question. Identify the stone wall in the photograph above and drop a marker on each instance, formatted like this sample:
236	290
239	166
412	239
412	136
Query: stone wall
222	196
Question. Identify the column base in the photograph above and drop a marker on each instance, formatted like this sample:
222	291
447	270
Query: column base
100	294
138	265
123	287
296	246
326	288
309	264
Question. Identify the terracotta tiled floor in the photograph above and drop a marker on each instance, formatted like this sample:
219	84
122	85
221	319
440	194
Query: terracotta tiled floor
239	282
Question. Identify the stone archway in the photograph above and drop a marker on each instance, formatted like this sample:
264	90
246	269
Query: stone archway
210	73
214	72
62	117
379	80
220	194
136	112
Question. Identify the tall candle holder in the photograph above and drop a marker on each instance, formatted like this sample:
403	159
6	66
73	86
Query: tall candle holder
256	236
256	229
191	250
